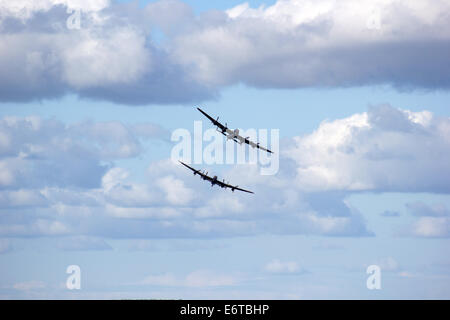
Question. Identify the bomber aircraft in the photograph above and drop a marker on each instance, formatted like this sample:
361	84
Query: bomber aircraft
232	134
214	179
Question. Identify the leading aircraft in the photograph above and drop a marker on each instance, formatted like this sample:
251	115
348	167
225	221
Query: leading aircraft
232	134
214	179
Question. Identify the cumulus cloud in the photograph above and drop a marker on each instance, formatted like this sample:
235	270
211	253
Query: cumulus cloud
22	198
384	149
176	192
431	227
290	44
109	57
432	221
54	177
42	152
120	191
301	43
55	183
421	209
25	9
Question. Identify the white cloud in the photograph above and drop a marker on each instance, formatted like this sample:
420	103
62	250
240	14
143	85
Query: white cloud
384	149
25	9
290	44
108	57
302	43
22	198
114	139
93	59
222	205
114	177
420	209
47	227
51	192
430	221
238	10
176	192
50	153
431	227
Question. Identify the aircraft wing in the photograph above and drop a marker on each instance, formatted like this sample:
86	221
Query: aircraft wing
251	143
214	121
256	145
226	185
189	167
201	174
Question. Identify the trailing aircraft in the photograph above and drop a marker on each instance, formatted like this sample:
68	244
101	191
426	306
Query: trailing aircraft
214	180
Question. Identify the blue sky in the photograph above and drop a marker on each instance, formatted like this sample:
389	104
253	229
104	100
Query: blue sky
86	117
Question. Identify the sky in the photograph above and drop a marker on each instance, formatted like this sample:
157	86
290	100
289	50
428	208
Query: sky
93	94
